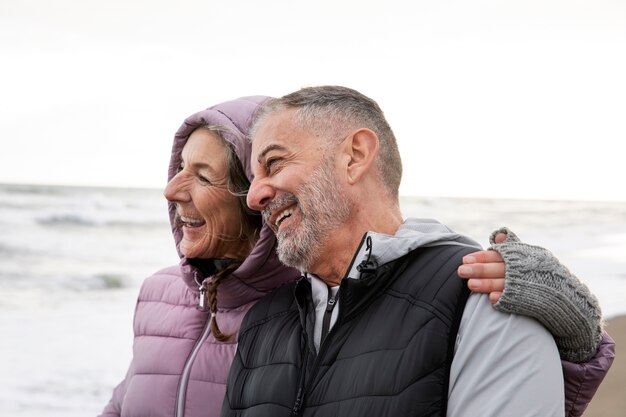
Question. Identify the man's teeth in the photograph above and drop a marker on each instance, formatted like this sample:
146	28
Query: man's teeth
282	216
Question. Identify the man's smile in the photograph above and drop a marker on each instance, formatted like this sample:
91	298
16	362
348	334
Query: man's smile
283	215
277	216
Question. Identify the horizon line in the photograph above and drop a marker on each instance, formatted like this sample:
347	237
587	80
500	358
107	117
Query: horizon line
402	195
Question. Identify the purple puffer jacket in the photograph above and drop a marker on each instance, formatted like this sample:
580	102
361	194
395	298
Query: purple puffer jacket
583	379
178	367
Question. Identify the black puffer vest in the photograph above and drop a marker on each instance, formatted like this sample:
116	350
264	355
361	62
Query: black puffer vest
389	353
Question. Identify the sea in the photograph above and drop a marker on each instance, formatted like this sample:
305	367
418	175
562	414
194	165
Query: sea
72	260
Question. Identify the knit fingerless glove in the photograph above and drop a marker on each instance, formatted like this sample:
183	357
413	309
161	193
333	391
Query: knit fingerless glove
538	286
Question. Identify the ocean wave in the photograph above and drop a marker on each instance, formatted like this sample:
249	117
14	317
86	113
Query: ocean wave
65	220
77	220
28	282
82	206
95	282
109	281
10	251
148	224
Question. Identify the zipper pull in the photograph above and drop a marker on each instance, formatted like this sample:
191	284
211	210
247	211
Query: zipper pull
330	305
295	411
203	299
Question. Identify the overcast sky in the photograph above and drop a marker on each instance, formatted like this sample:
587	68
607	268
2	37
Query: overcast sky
488	98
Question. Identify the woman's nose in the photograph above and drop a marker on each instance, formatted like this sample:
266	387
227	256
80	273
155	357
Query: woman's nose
175	190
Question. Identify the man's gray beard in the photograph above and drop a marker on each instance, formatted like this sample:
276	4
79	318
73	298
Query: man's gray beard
322	210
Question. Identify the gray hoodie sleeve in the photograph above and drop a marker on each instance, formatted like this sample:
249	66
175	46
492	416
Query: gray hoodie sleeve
504	365
538	286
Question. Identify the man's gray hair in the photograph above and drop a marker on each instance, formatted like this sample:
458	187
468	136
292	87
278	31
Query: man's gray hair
331	112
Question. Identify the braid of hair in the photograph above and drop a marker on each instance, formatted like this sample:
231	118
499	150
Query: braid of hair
212	301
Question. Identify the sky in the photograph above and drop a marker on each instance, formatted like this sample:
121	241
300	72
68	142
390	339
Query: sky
515	99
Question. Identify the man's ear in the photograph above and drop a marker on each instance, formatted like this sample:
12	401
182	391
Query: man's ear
361	151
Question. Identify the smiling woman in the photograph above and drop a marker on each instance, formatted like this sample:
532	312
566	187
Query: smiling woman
227	262
209	193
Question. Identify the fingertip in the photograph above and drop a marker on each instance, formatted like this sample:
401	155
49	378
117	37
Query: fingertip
464	271
469	259
474	284
500	237
494	297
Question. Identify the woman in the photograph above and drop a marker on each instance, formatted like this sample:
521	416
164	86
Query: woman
187	316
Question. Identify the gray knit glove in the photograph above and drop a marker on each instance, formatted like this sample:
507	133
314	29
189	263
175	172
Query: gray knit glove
538	286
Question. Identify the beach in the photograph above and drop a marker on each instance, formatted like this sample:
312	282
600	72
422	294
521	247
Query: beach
610	400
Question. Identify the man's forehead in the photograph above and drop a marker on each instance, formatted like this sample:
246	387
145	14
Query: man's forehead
278	130
274	123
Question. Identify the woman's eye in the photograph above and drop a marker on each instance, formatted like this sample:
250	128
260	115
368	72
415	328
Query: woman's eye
203	179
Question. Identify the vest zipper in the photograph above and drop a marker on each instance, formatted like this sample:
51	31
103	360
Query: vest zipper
330	305
326	331
297	405
302	389
184	377
295	411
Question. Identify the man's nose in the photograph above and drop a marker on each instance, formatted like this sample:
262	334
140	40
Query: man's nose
260	194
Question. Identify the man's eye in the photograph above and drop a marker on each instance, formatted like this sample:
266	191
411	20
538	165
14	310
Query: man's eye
270	163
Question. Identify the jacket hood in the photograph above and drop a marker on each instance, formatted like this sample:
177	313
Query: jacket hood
261	271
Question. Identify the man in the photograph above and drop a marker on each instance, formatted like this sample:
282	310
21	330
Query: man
381	325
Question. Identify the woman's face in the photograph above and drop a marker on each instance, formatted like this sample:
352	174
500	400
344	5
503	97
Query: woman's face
208	214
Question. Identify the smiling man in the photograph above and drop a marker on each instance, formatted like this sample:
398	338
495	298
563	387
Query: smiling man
381	325
302	222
